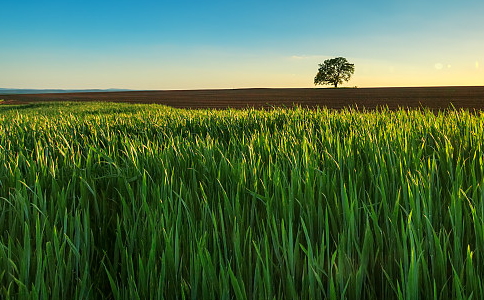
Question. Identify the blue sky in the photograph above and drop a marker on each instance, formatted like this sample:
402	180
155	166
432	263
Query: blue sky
185	44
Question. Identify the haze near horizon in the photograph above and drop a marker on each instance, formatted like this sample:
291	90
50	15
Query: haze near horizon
227	44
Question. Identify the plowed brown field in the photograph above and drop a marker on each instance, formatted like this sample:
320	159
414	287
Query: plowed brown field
370	98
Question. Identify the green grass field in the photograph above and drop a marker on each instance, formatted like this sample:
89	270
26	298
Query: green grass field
113	201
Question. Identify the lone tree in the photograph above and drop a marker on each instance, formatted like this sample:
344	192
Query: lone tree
334	71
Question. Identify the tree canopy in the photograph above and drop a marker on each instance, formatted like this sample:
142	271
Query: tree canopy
334	71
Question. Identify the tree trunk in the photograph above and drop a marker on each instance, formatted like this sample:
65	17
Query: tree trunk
335	84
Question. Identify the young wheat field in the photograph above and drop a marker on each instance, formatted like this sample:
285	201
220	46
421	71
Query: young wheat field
119	201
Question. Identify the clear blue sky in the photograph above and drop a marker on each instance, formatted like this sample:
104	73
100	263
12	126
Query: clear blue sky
186	44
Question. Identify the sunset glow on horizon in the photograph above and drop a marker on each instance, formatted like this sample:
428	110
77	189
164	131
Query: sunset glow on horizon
216	44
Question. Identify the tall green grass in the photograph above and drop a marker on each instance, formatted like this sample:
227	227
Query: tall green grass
112	201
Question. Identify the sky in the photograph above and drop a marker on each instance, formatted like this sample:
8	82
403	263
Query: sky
185	44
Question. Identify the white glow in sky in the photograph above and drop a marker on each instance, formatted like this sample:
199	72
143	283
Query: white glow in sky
231	44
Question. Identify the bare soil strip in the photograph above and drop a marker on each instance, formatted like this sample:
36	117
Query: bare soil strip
434	98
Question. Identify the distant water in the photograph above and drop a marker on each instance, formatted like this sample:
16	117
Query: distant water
4	91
